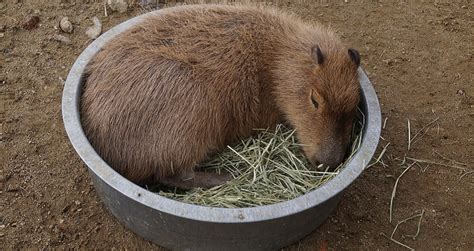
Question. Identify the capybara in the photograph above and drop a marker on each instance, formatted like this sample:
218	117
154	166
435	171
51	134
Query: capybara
185	82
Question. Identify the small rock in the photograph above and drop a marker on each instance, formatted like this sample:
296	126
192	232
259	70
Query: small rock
61	39
388	61
149	3
77	203
94	31
460	92
66	25
31	23
3	28
118	5
464	7
2	34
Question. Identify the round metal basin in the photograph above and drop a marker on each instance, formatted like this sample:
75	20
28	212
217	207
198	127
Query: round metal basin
181	226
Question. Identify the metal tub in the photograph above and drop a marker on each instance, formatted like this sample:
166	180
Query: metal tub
181	226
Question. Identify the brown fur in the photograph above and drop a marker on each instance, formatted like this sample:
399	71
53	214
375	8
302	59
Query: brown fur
166	94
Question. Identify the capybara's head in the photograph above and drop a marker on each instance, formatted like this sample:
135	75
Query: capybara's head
323	105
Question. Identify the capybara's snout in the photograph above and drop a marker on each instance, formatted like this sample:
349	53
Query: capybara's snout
330	155
331	158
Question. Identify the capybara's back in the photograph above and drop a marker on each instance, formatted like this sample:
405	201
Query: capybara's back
179	86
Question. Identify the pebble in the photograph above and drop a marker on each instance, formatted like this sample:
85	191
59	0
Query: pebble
460	92
94	31
149	3
120	6
66	25
62	39
2	34
3	28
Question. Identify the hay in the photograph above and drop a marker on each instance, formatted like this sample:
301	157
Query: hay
268	168
394	191
414	236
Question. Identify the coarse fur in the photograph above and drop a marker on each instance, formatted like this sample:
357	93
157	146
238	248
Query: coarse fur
182	84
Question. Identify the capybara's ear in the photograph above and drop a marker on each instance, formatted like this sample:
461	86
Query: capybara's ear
354	54
317	55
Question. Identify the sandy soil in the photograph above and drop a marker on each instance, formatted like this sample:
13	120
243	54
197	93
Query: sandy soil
419	57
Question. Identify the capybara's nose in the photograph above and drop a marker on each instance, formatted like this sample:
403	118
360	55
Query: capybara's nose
314	161
333	163
332	160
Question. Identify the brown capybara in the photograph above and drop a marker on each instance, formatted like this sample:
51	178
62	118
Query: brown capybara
182	84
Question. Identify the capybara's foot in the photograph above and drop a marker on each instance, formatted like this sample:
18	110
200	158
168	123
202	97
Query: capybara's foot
196	179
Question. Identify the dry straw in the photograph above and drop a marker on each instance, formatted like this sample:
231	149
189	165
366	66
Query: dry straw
267	169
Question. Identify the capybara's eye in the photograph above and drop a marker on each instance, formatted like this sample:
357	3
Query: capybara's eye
315	103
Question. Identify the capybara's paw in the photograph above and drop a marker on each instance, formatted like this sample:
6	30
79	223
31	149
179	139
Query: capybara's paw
208	180
196	179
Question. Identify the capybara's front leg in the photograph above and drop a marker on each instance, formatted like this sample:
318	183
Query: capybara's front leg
195	179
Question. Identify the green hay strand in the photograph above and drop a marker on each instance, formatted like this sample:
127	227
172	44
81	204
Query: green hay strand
267	168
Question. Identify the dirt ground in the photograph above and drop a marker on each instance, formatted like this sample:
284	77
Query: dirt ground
419	57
